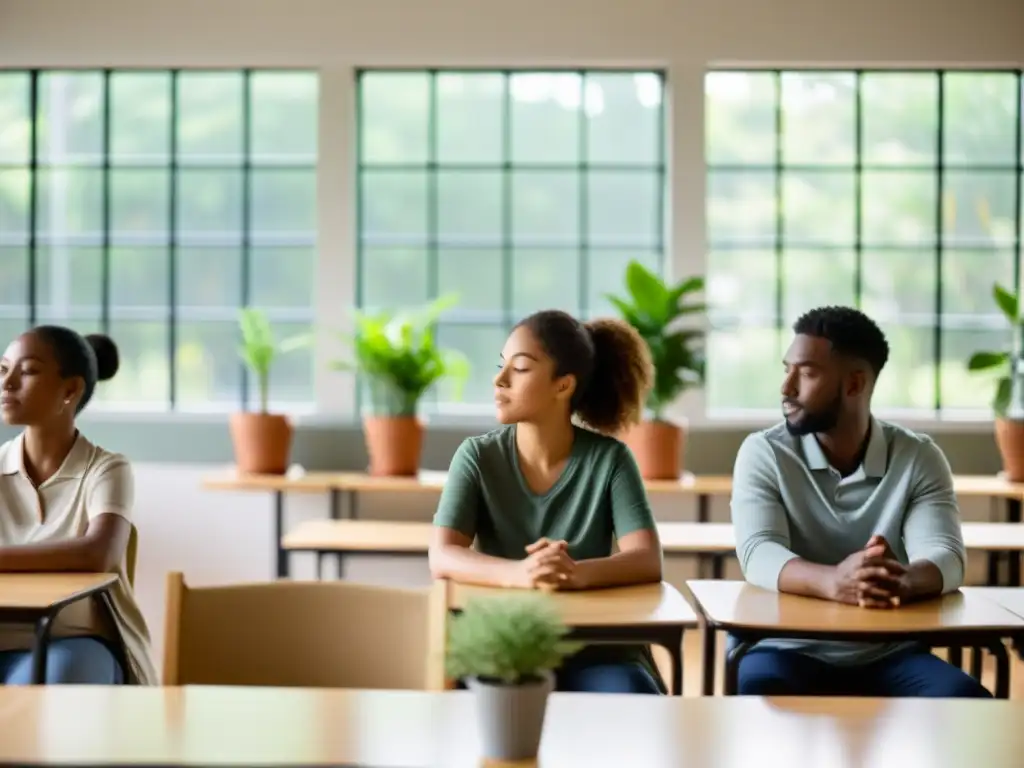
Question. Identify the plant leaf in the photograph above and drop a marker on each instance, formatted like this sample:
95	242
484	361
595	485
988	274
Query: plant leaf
983	361
1001	401
1007	302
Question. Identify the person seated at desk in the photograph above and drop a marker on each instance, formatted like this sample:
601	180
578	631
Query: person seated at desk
66	505
836	504
543	497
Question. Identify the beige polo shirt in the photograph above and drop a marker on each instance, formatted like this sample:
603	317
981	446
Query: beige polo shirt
90	482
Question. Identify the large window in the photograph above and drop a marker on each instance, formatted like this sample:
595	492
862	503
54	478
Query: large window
151	205
517	190
898	192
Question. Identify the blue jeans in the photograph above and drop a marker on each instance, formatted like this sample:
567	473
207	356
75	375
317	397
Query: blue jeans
612	677
69	660
905	674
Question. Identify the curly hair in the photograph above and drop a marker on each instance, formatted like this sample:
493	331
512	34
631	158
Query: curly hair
610	361
850	331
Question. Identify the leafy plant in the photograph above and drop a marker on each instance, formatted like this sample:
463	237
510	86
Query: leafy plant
1009	304
509	639
653	307
259	348
399	355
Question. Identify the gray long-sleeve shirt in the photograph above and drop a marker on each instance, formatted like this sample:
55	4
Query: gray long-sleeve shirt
788	502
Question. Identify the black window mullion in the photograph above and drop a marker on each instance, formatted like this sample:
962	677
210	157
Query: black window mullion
105	210
858	190
662	177
246	244
507	271
433	187
1018	161
33	182
780	250
940	185
583	254
172	241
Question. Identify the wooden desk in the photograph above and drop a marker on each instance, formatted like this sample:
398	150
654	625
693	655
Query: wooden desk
955	620
648	614
37	598
193	726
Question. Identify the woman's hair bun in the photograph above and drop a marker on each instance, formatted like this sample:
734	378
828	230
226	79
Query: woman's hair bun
107	358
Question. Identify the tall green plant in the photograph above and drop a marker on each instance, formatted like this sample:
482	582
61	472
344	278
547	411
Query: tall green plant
509	639
259	348
988	360
398	354
653	307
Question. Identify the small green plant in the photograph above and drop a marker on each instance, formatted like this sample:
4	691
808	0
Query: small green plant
398	353
259	348
509	639
1009	304
653	307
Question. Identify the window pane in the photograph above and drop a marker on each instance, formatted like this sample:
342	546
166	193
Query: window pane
139	277
70	202
393	277
898	283
898	207
744	369
394	205
818	123
624	117
482	345
208	366
815	278
740	117
285	119
742	282
545	207
624	208
900	117
546	117
291	375
741	207
980	118
395	117
210	116
209	277
476	275
283	202
140	116
69	281
15	128
980	208
210	204
470	118
469	206
13	277
139	204
819	207
143	380
545	279
967	278
14	192
282	277
607	274
69	122
908	380
963	389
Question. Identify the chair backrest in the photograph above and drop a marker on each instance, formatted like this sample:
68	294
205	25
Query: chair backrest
314	634
132	554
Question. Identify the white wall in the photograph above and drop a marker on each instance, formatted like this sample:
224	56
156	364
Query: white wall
216	538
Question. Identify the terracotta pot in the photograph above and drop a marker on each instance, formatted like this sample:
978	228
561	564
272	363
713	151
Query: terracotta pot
262	441
1010	439
658	449
393	444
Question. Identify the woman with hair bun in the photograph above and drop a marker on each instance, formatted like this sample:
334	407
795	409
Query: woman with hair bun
543	497
66	505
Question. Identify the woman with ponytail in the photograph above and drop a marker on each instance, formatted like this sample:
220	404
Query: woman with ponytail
545	495
66	505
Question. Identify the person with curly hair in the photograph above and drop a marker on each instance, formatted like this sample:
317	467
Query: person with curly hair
836	504
546	494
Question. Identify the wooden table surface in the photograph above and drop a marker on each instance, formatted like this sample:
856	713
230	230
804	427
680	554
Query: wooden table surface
41	590
645	604
76	725
1010	598
360	536
738	605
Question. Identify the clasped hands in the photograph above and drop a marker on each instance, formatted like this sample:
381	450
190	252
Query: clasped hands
547	566
871	577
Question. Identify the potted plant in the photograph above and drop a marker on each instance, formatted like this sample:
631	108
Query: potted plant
653	308
1008	399
400	360
262	440
506	650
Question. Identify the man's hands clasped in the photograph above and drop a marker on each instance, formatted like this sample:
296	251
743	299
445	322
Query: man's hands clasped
547	566
871	577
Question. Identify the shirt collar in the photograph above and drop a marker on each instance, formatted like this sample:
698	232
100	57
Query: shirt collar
876	457
73	467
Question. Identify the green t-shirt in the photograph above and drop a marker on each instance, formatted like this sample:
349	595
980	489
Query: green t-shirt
598	498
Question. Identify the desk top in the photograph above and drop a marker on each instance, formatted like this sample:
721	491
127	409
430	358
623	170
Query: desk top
677	538
39	591
640	605
55	725
360	536
738	605
1010	598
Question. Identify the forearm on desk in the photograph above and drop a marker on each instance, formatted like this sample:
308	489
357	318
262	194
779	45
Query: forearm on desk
70	555
451	561
637	566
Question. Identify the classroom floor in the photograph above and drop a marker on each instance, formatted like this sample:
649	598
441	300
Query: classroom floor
692	667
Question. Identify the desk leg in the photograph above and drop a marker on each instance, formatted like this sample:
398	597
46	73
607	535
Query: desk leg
732	666
353	505
280	553
703	508
40	649
1002	687
673	643
710	653
1013	513
335	504
718	567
